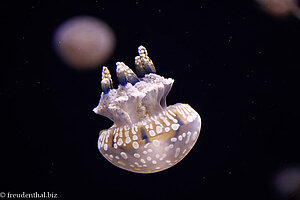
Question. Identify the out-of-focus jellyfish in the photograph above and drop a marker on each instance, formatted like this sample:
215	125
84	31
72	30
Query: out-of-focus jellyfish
287	182
147	135
84	42
280	8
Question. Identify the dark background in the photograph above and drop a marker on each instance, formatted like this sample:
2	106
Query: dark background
233	63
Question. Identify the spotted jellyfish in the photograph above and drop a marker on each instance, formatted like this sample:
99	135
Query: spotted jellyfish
147	135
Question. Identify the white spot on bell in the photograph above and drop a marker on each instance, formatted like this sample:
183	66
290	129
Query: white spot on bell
134	137
188	137
120	141
177	151
105	147
127	140
121	163
163	156
190	118
156	143
136	155
152	133
158	129
175	127
124	155
194	136
180	137
135	145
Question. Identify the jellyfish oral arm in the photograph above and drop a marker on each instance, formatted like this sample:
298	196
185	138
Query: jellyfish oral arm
143	136
131	103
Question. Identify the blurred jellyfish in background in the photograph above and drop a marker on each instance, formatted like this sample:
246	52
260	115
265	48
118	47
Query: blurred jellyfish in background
287	183
280	8
84	42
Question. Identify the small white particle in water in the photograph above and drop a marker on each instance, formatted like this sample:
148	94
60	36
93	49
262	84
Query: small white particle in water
173	139
131	165
115	146
135	145
117	157
143	161
183	134
167	129
154	162
145	152
124	155
157	156
175	127
156	143
168	161
157	168
149	150
136	155
148	158
111	156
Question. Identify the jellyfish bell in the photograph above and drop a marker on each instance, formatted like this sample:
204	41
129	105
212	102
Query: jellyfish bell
84	42
280	8
147	135
286	182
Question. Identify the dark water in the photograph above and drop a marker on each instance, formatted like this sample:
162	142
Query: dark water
237	66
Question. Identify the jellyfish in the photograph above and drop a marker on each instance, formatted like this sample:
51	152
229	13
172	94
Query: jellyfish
147	135
84	42
286	182
280	8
